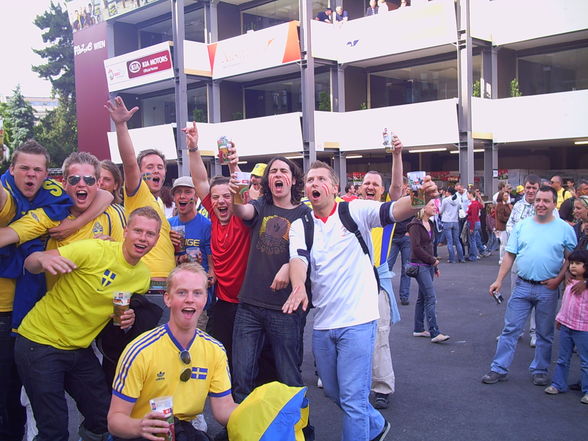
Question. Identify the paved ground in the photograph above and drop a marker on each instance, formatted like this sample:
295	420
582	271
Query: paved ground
439	395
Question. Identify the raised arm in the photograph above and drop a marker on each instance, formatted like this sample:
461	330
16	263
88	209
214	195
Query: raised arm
402	208
197	167
120	116
395	190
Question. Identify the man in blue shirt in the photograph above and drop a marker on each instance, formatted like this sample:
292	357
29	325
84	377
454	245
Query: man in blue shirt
196	245
539	247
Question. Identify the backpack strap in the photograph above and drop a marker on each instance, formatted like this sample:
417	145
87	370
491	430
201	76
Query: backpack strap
308	224
352	227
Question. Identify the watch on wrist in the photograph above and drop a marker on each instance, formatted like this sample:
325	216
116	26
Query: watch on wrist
193	149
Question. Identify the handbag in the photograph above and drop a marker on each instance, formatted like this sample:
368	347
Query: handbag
411	270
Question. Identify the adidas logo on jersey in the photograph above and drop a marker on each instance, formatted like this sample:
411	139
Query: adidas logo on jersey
160	376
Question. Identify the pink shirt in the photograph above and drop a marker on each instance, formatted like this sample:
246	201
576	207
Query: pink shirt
574	309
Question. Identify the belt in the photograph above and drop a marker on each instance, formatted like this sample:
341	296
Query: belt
532	282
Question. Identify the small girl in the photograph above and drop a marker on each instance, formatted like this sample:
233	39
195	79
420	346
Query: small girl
572	322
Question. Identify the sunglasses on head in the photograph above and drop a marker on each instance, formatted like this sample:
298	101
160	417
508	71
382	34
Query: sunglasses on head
75	179
186	359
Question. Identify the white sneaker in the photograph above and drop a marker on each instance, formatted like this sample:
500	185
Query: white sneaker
319	383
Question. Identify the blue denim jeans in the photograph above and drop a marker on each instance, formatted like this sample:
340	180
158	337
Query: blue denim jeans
567	339
47	373
402	246
12	414
344	362
253	325
475	241
522	300
425	304
451	230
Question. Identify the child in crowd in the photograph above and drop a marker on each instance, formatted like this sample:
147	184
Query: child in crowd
572	322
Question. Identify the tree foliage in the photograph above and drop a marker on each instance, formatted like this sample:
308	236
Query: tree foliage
19	119
58	130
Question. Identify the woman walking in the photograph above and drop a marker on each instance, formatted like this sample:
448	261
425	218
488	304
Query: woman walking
422	235
503	210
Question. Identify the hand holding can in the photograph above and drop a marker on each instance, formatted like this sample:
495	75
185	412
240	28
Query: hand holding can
243	182
417	193
180	243
165	406
223	149
121	302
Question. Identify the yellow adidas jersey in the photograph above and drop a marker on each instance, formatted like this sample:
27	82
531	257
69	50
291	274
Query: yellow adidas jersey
75	310
150	367
160	259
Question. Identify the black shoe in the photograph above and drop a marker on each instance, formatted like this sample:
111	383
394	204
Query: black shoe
493	377
540	380
381	401
404	302
384	432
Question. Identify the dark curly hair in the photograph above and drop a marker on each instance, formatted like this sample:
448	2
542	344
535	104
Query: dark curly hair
297	179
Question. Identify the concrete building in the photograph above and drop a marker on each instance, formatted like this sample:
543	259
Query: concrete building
478	90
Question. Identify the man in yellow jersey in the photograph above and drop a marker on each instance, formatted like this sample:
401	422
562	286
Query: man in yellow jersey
52	350
176	360
25	187
372	188
81	172
144	177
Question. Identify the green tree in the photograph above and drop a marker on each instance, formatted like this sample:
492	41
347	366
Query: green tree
58	130
19	119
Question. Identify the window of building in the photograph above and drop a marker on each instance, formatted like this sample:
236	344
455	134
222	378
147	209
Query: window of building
273	13
161	109
553	72
414	84
283	96
162	31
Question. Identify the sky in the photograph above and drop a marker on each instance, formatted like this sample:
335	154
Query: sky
18	36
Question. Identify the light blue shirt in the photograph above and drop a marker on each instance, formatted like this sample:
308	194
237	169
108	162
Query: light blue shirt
540	247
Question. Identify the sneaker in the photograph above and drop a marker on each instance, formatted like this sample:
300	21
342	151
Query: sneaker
584	399
421	334
381	401
493	377
533	341
551	390
385	431
440	338
540	380
319	383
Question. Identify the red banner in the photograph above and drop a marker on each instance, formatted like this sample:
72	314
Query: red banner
149	64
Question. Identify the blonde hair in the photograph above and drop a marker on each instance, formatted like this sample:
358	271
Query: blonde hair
191	267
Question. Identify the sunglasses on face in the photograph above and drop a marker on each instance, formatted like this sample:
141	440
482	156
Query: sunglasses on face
186	359
75	179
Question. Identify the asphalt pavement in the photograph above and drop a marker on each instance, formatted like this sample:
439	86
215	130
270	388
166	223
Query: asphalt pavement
439	395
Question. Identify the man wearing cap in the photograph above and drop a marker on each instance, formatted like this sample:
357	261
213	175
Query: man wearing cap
256	174
520	193
196	241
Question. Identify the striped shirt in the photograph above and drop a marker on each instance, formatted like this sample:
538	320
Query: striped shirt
574	309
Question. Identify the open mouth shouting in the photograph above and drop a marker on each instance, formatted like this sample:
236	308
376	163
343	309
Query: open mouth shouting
188	312
370	194
314	195
81	196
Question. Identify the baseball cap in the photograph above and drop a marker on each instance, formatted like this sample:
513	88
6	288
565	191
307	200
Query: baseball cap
259	169
520	189
183	181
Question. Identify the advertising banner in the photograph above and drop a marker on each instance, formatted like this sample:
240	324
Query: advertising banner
256	50
196	61
153	63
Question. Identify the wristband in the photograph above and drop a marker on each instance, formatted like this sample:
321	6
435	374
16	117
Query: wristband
192	150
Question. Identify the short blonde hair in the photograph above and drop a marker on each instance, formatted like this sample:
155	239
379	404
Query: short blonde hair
191	267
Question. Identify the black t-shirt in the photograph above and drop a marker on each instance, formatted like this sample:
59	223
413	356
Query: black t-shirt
269	250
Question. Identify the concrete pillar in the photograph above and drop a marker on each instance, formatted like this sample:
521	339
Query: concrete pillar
465	79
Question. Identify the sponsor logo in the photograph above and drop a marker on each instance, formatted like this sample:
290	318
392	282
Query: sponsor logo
34	216
80	49
149	64
97	228
352	43
107	278
160	376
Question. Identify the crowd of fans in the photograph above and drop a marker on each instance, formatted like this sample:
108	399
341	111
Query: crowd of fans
221	288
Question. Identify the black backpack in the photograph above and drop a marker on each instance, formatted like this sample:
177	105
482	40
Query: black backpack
349	224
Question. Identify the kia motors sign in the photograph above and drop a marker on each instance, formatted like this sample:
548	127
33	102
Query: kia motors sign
145	66
149	64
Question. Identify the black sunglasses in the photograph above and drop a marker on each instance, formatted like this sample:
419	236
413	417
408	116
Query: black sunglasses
75	179
186	359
